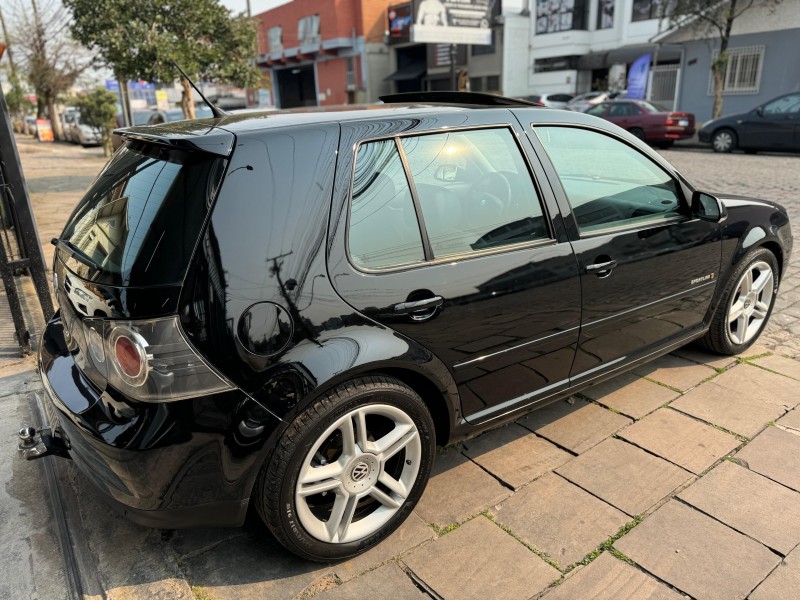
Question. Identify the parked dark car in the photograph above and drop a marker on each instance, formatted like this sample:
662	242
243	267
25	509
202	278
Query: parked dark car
304	304
774	125
647	121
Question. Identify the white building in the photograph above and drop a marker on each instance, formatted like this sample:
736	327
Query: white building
578	45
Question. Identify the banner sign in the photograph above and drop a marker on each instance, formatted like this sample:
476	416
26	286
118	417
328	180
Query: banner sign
44	130
399	23
637	77
452	22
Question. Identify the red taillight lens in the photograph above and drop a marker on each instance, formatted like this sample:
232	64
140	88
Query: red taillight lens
671	121
129	356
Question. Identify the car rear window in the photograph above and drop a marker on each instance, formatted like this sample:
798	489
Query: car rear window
141	218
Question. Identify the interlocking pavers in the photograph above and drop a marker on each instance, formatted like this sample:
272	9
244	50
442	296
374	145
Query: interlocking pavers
675	372
774	453
478	561
577	429
791	420
696	354
761	384
780	364
750	503
682	440
696	554
514	454
783	583
631	395
607	578
560	518
624	476
458	489
736	411
413	532
388	581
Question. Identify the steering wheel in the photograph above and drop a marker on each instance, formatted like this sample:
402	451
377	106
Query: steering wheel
493	191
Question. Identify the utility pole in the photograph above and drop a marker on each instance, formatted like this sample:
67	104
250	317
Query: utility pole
453	83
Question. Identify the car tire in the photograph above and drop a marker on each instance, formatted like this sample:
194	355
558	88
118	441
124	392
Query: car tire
724	140
751	289
637	132
370	491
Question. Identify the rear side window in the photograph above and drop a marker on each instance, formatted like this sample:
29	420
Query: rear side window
473	188
383	224
141	218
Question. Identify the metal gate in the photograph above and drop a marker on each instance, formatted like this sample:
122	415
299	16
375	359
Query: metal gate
664	85
20	251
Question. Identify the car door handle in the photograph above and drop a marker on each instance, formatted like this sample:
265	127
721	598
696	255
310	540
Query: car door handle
602	267
405	308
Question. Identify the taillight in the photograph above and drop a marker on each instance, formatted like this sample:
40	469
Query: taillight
671	121
149	360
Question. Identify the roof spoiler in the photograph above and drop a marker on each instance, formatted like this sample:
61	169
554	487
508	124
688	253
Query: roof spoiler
187	135
456	98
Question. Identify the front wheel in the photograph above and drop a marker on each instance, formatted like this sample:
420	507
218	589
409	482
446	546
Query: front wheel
723	141
348	470
746	304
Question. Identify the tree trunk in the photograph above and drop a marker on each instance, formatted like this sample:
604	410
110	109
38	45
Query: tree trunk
124	101
108	148
187	102
55	122
718	70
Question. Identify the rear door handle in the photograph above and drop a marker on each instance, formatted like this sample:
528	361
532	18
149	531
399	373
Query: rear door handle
405	308
602	267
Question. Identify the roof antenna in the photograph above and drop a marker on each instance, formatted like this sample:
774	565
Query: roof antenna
217	112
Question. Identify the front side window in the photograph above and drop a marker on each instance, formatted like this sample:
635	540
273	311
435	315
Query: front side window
783	106
608	183
597	110
473	189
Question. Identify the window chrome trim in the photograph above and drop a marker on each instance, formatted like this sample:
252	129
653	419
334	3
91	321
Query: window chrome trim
449	258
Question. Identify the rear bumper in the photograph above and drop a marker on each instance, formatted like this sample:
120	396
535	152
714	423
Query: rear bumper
170	465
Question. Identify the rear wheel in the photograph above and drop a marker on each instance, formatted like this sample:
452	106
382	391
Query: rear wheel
348	470
723	140
746	304
637	132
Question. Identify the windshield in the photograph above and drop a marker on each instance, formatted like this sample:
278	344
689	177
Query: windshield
141	218
652	106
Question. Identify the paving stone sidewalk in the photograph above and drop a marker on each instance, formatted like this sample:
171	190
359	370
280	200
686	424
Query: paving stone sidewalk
681	479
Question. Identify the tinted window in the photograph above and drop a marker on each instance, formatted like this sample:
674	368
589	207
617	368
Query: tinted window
608	183
597	110
141	218
560	97
622	109
383	229
474	189
787	104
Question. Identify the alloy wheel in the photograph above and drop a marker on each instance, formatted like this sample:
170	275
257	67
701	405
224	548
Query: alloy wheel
751	302
723	141
358	473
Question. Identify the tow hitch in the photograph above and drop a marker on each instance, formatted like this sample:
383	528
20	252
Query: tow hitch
39	443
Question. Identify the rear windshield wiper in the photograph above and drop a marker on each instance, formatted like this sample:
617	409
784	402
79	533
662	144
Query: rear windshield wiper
75	252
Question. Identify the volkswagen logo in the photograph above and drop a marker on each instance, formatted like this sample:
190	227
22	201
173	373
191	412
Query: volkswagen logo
360	471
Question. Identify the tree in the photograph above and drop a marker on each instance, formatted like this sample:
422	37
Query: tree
98	110
715	18
138	40
51	60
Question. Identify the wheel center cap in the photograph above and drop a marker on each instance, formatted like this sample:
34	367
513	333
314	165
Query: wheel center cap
362	473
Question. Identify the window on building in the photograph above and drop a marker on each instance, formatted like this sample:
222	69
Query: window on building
351	73
651	9
742	70
480	50
493	83
308	30
555	63
605	14
476	84
275	38
560	15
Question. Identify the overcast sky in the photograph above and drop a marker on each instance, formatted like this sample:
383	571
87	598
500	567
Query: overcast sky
256	6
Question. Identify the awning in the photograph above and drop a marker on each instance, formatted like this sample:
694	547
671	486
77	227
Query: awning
409	72
626	55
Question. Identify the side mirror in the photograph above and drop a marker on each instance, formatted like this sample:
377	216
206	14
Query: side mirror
708	207
760	111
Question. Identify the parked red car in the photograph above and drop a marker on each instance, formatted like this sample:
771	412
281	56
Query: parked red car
647	121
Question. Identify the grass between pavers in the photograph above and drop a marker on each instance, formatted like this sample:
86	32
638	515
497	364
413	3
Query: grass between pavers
540	553
323	584
607	546
662	384
440	531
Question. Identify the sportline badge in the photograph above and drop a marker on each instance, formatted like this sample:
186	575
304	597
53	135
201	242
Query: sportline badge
709	277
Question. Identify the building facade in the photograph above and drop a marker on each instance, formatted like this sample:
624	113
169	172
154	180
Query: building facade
579	45
763	60
323	52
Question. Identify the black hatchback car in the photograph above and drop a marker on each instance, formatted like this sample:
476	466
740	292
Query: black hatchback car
299	306
775	125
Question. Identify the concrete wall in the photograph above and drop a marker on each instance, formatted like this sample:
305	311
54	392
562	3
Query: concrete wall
780	72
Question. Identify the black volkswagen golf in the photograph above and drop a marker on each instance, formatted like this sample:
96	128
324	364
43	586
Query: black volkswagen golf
292	309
